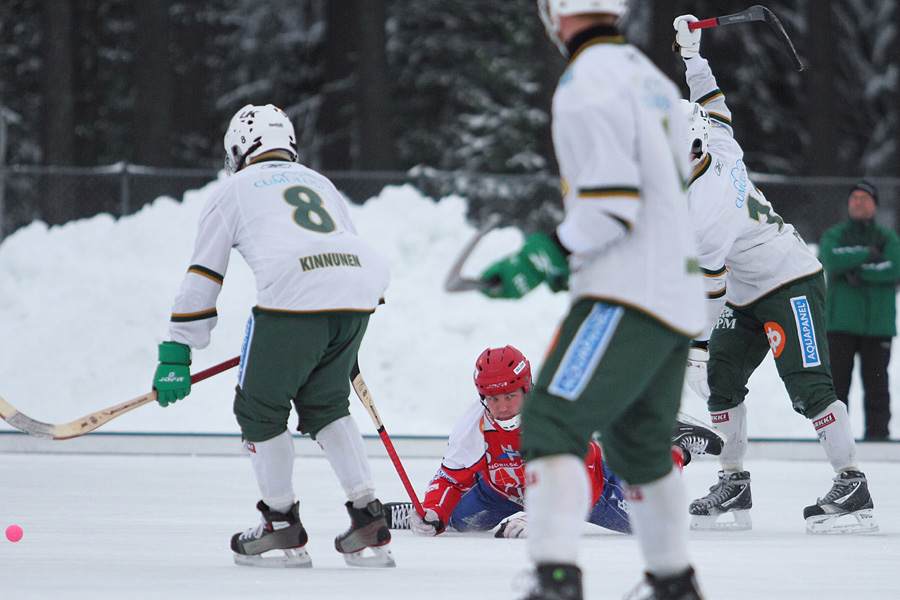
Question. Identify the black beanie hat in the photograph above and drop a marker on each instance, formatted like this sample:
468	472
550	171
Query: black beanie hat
865	186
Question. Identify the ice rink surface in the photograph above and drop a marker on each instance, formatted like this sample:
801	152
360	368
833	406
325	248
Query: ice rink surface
104	527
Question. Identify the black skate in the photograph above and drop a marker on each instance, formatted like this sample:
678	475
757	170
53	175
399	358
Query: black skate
397	514
677	587
730	496
368	529
555	581
277	531
848	497
695	438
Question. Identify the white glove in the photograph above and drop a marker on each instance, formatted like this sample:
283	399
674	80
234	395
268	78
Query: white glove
514	526
687	41
696	371
431	525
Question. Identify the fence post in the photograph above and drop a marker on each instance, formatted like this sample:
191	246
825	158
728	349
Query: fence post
125	200
2	173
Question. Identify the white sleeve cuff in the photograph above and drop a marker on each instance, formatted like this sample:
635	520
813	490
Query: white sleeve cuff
584	235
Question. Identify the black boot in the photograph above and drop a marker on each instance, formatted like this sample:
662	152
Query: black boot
276	531
368	529
676	587
556	581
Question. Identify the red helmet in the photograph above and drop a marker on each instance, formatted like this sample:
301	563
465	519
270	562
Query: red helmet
501	371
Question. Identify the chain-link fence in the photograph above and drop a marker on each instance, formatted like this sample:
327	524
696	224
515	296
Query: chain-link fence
57	195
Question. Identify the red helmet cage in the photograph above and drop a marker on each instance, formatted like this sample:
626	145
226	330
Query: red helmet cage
501	371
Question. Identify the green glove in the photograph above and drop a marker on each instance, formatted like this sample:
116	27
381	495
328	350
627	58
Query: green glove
173	375
540	259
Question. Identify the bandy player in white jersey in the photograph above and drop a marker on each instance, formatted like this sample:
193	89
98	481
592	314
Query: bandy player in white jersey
317	284
766	292
617	364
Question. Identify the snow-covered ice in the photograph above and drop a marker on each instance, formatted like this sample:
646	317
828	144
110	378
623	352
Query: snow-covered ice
111	527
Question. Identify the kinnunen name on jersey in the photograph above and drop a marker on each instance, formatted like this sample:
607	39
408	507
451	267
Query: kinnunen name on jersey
329	259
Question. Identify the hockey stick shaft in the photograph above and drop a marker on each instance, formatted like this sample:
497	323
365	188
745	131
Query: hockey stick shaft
89	423
455	281
754	13
362	391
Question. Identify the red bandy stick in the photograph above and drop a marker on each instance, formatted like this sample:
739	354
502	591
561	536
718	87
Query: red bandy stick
362	390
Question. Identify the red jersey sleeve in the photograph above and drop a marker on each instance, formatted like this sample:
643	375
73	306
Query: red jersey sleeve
447	487
594	463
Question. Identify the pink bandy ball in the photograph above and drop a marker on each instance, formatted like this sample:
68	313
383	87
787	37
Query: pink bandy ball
14	533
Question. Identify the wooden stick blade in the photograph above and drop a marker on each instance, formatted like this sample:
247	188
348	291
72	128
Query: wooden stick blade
76	428
89	423
24	423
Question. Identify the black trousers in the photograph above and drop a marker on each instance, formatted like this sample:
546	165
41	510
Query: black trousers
874	356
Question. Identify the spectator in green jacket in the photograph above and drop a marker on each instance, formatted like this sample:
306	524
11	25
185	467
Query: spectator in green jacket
862	265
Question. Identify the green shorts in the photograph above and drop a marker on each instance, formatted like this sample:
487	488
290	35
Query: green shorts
616	371
302	359
789	322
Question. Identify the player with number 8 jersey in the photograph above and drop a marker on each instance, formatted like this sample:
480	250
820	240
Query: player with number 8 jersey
292	227
317	284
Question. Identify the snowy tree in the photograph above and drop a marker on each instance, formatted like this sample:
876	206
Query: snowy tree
470	91
869	68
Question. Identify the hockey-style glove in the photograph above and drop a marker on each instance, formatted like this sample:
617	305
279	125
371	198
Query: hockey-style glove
687	42
695	375
540	259
431	525
173	375
514	526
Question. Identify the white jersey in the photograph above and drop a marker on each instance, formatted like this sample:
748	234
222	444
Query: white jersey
292	227
617	133
745	249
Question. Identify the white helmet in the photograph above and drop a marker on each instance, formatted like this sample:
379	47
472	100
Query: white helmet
257	130
551	10
698	128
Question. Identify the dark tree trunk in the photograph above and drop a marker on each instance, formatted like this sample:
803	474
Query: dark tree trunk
152	128
340	135
58	82
376	140
57	123
551	65
820	73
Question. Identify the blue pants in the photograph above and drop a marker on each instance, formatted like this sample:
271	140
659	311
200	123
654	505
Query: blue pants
482	509
611	509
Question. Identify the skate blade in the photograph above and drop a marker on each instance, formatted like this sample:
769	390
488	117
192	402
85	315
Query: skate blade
861	521
292	558
741	522
381	557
